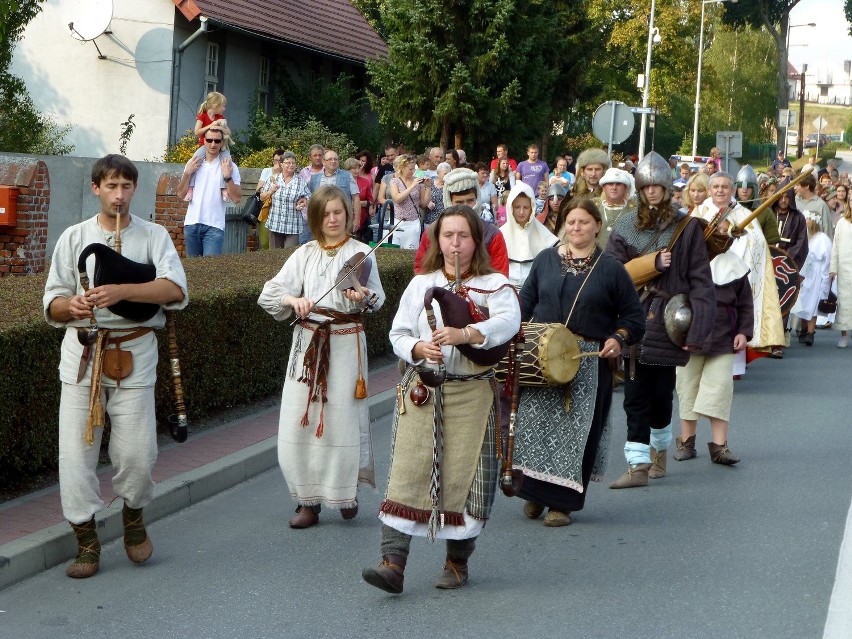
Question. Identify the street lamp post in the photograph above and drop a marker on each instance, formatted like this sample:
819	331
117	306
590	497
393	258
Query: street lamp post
698	81
647	80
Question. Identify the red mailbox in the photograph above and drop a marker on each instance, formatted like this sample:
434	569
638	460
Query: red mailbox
8	205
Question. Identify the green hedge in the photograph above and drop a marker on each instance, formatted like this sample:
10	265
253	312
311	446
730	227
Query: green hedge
232	352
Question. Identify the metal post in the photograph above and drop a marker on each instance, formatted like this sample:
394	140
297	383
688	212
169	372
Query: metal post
698	84
801	115
611	104
644	120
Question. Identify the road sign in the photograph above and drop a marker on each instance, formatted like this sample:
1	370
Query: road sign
730	143
613	122
640	110
820	123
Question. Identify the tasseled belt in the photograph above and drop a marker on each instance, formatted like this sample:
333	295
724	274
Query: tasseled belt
317	355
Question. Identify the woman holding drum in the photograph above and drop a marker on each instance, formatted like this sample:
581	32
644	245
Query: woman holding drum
577	285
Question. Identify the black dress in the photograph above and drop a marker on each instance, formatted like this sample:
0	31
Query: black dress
607	302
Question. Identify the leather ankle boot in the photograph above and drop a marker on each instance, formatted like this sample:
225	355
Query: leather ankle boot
137	543
389	575
454	574
88	559
658	464
635	477
721	454
306	516
685	448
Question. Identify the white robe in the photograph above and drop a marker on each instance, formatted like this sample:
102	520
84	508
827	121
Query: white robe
328	469
841	264
815	280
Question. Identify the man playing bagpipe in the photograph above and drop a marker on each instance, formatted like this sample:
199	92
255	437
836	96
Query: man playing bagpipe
109	356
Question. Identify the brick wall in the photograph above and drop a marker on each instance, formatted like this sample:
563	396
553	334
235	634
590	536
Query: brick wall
169	210
23	248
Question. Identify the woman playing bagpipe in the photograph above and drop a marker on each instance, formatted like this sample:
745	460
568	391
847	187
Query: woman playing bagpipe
324	443
109	356
562	430
443	473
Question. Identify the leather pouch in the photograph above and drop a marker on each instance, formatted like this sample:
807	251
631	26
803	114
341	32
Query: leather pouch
118	364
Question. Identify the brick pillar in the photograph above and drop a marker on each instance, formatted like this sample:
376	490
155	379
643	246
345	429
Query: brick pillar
169	210
23	248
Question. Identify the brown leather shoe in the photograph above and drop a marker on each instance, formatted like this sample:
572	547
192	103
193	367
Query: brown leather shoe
389	576
635	477
454	574
533	510
721	454
555	519
88	560
137	543
658	464
685	448
305	518
349	513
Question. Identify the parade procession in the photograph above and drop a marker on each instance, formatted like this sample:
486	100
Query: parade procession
319	371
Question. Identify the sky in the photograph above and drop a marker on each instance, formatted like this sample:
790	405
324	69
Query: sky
829	42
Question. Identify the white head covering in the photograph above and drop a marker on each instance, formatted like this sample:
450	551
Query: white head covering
459	180
523	243
614	175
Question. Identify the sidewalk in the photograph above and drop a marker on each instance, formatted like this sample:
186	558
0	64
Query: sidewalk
34	535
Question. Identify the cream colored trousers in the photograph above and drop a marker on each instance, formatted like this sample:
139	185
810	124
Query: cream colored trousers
132	449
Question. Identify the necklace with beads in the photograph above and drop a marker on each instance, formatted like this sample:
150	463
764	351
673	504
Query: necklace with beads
332	249
575	265
452	277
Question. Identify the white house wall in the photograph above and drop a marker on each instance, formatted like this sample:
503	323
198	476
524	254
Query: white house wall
66	79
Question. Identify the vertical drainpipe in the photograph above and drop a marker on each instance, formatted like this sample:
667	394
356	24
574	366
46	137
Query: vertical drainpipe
178	54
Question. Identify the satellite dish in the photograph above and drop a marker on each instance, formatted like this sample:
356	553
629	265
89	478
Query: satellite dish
86	19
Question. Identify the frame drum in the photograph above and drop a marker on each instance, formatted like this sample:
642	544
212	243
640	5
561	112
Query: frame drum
548	358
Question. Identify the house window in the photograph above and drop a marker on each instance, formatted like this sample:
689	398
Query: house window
263	85
823	91
212	69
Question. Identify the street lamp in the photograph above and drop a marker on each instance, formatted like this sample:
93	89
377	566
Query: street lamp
653	37
698	81
801	92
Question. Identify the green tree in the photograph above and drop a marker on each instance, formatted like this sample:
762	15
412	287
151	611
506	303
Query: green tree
476	71
22	128
774	15
740	69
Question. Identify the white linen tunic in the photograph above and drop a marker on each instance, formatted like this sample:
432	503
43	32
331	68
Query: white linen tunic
841	264
815	280
328	469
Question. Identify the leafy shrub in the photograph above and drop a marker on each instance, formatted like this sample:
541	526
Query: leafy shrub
231	351
298	139
258	160
182	151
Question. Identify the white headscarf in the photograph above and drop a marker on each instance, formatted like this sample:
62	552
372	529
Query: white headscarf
523	243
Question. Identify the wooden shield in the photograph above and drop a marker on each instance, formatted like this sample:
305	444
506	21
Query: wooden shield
786	277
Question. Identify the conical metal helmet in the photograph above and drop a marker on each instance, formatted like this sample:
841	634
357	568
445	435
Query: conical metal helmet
653	169
746	178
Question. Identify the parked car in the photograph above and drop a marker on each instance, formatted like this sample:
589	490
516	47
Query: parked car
792	138
811	140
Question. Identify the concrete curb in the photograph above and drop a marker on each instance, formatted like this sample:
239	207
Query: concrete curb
35	553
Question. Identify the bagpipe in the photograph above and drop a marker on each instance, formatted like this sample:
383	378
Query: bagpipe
111	267
458	310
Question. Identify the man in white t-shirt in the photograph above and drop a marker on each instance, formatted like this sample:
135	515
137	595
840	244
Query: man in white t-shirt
204	225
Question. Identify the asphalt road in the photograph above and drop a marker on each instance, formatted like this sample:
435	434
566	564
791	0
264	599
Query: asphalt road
708	551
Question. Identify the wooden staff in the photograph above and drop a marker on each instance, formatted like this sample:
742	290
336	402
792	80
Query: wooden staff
510	482
178	422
